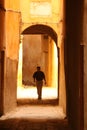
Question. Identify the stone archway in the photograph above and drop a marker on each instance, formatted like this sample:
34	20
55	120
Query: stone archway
45	29
41	29
45	32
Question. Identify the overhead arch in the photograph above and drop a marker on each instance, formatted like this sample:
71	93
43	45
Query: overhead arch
41	29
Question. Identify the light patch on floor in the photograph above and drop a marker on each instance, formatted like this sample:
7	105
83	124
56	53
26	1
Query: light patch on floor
31	92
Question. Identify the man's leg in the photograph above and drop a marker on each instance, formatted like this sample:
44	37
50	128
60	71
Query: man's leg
39	89
40	92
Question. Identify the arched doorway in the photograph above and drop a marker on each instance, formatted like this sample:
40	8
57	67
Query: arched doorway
40	48
41	29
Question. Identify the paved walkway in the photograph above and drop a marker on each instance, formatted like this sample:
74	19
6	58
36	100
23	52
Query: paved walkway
35	117
28	95
38	112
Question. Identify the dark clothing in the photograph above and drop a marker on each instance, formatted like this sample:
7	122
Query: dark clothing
39	85
39	75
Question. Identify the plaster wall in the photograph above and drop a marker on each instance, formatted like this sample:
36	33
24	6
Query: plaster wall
28	17
2	31
53	20
52	64
85	63
32	56
12	31
36	52
2	2
12	5
0	90
47	53
11	59
62	84
2	48
1	80
73	62
85	87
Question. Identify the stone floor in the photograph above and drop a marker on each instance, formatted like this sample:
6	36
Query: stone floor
24	91
33	114
35	117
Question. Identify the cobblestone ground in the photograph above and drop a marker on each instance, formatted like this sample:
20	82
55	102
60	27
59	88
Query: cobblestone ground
35	117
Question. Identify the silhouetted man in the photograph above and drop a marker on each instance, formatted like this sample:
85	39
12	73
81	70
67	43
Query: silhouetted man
39	76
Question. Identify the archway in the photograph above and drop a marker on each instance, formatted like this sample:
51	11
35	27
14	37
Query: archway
47	44
41	29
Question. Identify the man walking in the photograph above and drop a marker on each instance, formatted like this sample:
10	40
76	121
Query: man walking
38	77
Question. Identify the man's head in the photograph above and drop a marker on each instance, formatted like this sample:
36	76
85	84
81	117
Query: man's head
38	68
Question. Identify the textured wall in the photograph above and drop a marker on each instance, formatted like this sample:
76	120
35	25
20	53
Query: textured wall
85	86
38	50
2	2
12	20
2	47
54	20
12	5
73	62
85	65
32	56
10	85
2	33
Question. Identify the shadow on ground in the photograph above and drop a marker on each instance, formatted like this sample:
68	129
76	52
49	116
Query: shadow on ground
26	124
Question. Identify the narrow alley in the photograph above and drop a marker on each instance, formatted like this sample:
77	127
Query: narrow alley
35	117
34	114
51	34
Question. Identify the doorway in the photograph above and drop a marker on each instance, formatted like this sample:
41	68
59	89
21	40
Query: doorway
37	50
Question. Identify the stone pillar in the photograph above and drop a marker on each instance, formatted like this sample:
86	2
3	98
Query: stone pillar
12	20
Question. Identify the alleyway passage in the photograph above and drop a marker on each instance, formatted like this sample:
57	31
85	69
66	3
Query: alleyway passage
35	117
